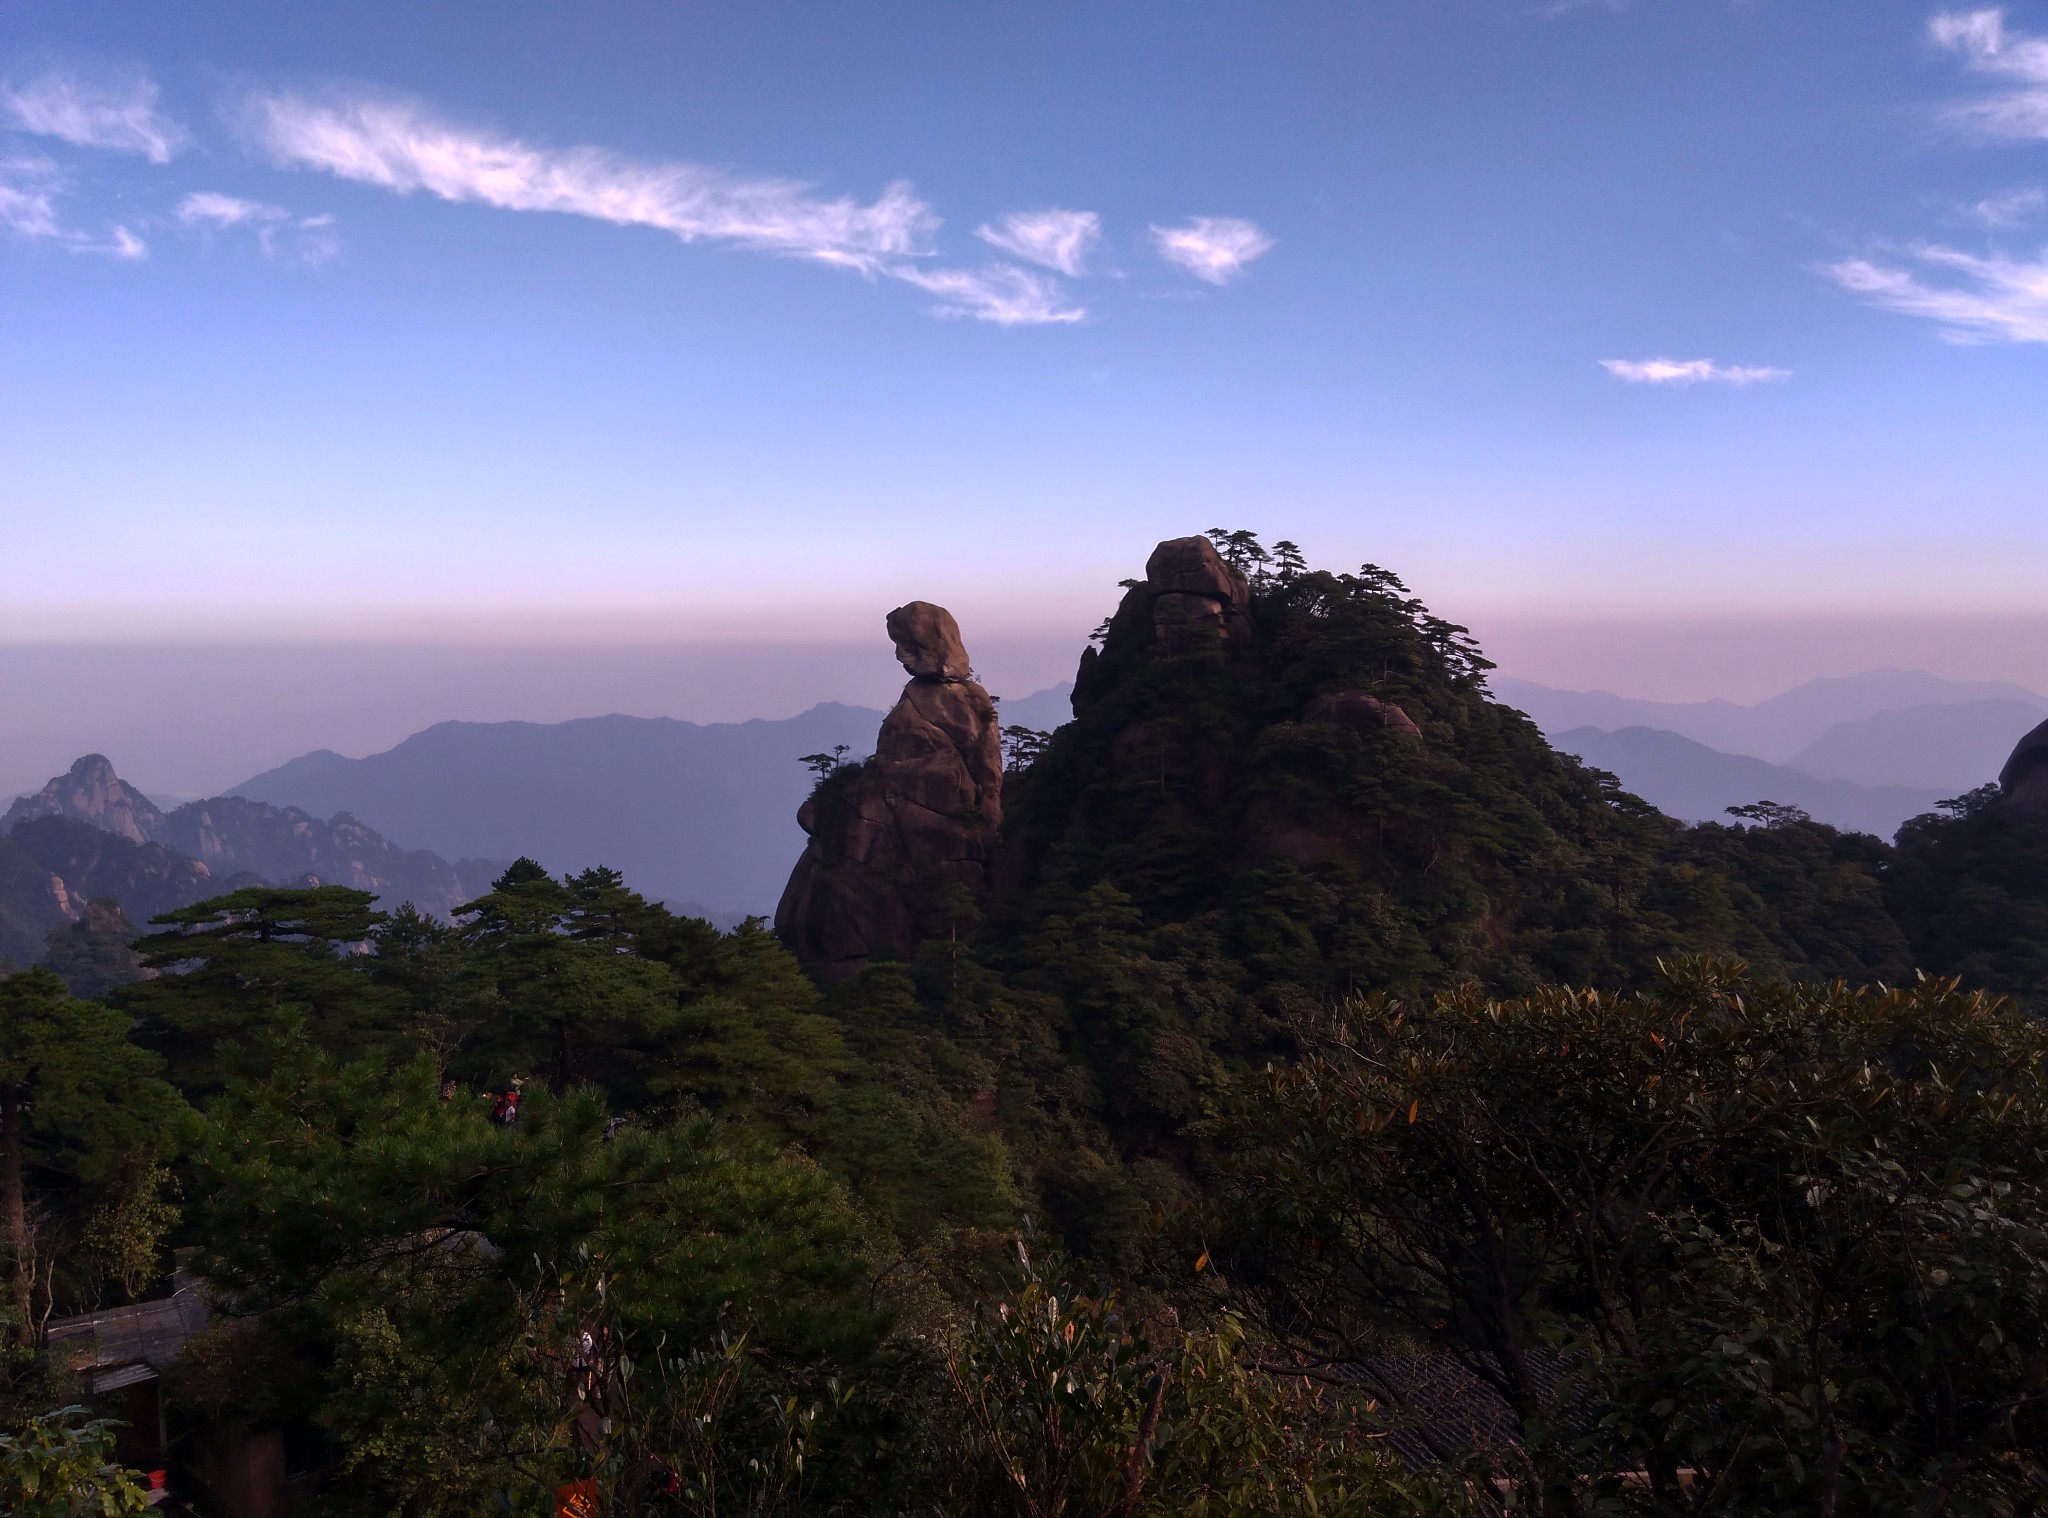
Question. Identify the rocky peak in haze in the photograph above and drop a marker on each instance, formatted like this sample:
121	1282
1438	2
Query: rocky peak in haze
92	834
285	844
92	793
890	836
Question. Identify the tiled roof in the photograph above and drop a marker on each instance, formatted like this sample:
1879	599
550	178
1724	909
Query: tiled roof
124	1345
1440	1408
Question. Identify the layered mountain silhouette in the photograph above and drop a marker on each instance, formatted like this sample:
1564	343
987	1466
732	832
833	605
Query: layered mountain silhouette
1776	729
701	815
1949	748
1694	783
1863	752
90	836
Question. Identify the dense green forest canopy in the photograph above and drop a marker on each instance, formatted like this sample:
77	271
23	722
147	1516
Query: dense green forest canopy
1249	1106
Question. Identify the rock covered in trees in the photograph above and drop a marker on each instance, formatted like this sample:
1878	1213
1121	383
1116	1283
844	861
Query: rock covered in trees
892	836
2025	776
92	793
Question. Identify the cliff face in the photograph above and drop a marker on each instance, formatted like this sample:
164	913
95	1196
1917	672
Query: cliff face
890	837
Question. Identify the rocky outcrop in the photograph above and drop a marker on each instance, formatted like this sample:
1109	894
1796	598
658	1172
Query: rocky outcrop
1188	594
92	793
2025	776
1189	599
194	851
1360	710
286	846
892	837
82	864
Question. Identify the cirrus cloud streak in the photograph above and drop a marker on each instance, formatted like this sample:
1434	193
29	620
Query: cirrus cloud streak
398	146
1060	240
1984	298
1985	45
29	190
121	116
1690	371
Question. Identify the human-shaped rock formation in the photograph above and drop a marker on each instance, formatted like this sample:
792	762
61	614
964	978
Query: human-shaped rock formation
891	837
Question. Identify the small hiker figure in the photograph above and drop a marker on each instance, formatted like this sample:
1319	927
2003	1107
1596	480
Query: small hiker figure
505	1110
612	1125
447	1091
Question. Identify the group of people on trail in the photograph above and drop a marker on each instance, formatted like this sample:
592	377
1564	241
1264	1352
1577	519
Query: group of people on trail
504	1104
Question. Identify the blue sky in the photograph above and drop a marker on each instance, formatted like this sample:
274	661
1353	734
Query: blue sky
643	320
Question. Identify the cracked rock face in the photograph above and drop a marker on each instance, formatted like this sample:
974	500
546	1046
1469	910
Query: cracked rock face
894	839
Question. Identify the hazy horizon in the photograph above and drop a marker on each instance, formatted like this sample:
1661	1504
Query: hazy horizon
190	720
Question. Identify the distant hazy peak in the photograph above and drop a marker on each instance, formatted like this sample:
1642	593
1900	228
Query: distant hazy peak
1773	729
91	792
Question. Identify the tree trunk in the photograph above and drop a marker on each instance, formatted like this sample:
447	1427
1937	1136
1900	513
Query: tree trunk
15	1206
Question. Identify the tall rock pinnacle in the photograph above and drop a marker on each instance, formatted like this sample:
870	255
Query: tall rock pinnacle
893	837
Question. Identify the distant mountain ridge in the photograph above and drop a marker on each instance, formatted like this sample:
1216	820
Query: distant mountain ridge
1695	783
88	835
1774	730
700	815
1949	748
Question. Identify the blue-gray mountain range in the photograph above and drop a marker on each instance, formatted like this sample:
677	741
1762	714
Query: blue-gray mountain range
1863	751
702	815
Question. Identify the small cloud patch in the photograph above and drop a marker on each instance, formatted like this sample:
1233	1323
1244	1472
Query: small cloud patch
1690	371
1215	249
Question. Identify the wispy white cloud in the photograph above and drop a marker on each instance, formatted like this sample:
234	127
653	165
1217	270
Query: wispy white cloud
28	197
401	146
29	190
119	243
121	115
1689	371
283	236
211	208
1212	248
1981	39
1985	298
1000	293
398	146
2009	209
1060	240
